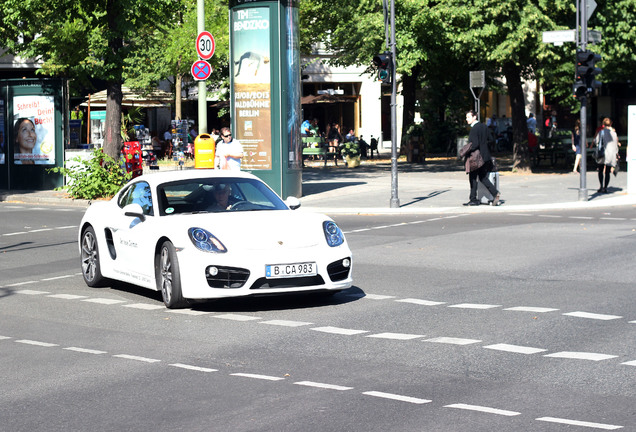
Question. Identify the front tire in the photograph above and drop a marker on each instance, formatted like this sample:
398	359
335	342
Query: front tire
91	269
168	277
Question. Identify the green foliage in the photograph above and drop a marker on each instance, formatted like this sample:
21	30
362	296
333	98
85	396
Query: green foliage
99	176
350	149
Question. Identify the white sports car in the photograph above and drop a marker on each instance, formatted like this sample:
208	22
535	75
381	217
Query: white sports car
204	234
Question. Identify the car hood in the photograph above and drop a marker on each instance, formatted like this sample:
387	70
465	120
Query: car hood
263	230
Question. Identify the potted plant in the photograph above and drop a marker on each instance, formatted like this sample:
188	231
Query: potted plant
351	152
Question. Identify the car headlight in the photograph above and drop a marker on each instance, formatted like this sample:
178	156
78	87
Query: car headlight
333	234
205	241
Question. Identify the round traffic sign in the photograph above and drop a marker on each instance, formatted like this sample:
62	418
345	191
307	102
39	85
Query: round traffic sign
201	70
205	45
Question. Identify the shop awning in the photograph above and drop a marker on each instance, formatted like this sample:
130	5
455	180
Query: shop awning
132	98
327	98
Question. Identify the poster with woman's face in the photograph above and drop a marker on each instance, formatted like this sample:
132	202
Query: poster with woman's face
33	130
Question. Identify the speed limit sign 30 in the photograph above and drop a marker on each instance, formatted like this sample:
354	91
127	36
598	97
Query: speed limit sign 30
205	45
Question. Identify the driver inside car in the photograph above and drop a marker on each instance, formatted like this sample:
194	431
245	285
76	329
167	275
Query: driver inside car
221	197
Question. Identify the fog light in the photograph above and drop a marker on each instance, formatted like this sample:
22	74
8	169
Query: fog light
213	271
346	263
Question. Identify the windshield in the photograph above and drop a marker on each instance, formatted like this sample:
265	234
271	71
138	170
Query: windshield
204	195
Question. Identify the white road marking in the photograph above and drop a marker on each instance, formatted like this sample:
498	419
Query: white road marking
520	214
378	297
453	340
397	336
14	233
32	292
144	306
257	376
397	397
474	306
137	358
194	368
613	219
236	317
580	217
5	337
593	316
286	323
581	355
67	296
85	350
103	301
36	343
40	230
338	330
550	216
531	309
187	312
483	409
630	363
579	423
323	385
632	322
421	302
58	277
21	283
515	348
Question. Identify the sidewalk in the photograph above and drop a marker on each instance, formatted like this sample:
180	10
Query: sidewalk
439	185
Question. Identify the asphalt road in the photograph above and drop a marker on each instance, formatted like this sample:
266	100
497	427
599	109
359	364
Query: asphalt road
481	322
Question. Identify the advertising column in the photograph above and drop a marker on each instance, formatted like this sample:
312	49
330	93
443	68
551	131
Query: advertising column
251	56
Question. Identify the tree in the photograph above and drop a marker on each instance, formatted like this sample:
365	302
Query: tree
83	40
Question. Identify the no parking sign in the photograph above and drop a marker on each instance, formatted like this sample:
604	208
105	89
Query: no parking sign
201	70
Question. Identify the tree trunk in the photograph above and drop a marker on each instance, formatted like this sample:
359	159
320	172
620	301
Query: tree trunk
112	133
177	96
521	157
409	87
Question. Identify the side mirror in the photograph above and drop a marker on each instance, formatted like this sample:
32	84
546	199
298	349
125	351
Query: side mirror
135	210
292	202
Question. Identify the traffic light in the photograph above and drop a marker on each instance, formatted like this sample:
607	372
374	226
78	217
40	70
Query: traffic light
586	70
383	63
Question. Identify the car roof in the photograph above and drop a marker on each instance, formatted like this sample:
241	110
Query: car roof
160	177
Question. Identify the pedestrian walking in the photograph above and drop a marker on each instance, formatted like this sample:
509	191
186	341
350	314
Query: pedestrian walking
606	153
478	160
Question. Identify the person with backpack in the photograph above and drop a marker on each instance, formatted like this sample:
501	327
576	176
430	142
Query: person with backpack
606	153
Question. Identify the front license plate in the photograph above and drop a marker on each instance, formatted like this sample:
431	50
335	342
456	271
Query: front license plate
290	270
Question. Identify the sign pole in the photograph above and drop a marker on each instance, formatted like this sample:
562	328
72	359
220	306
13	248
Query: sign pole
582	40
203	109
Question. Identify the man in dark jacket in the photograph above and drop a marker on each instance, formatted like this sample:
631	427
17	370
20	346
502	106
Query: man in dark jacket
478	138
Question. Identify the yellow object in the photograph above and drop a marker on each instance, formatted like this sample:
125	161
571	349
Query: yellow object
204	151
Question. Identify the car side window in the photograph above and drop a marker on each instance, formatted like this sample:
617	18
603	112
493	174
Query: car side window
139	193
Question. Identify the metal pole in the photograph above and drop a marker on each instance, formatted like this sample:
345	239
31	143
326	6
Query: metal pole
582	19
395	201
203	109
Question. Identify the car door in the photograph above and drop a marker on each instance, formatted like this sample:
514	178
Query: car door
131	234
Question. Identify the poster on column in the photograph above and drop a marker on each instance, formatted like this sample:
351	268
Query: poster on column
33	130
3	134
252	85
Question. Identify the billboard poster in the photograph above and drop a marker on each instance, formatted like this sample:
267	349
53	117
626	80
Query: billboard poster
34	130
250	67
3	134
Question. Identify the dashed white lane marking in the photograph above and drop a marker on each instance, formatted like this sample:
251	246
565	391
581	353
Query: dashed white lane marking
453	340
67	296
85	350
483	409
137	358
520	214
36	343
286	323
14	233
340	331
5	337
378	297
630	363
632	322
257	376
593	316
236	317
579	423
613	218
144	306
41	230
193	368
531	309
474	306
57	277
420	302
187	312
550	216
323	385
581	355
32	292
103	301
22	283
515	348
397	336
397	397
581	217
